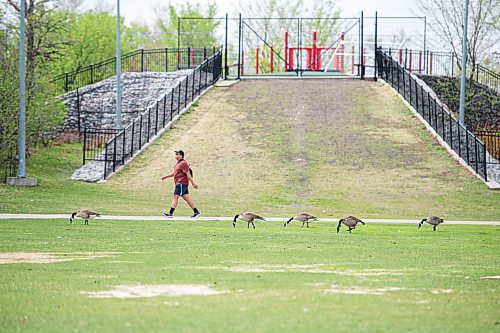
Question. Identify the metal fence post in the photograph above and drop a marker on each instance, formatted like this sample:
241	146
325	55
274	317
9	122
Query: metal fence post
451	131
476	155
156	119
106	161
442	122
164	110
179	97
142	60
140	133
192	86
114	154
459	141
166	59
149	124
484	164
84	144
429	117
416	96
132	140
123	148
467	146
171	104
78	108
186	91
436	116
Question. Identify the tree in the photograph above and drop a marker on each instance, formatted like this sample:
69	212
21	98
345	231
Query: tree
43	113
446	19
9	102
194	32
91	38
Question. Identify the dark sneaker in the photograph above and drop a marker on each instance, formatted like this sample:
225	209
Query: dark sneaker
196	215
168	215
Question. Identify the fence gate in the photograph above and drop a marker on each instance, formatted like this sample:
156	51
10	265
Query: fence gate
300	46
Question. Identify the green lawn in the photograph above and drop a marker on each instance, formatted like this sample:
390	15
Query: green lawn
380	278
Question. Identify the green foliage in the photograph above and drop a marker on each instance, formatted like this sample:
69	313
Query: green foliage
43	112
194	32
9	104
91	38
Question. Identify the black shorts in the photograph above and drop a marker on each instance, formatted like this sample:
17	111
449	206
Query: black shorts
181	189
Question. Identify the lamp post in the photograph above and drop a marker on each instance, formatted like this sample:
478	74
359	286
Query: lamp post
461	114
21	179
118	69
21	172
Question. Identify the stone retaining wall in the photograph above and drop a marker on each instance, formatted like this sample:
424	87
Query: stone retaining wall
95	105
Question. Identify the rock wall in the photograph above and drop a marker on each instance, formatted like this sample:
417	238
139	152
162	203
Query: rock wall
95	105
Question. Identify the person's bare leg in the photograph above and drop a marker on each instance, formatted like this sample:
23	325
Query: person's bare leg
188	200
175	201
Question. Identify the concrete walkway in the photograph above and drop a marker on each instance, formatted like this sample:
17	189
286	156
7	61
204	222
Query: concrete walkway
220	218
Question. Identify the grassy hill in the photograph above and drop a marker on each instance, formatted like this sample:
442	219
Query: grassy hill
277	147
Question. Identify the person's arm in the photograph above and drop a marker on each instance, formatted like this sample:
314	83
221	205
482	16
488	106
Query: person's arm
191	180
167	176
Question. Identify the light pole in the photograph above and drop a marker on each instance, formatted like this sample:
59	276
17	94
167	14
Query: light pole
118	69
461	114
21	172
21	179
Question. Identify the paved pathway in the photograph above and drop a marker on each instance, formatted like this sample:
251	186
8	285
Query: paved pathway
219	218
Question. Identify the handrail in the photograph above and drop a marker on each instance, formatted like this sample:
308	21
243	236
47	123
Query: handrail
150	60
468	147
123	145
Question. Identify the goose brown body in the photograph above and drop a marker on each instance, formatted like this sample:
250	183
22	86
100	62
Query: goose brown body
432	220
247	217
305	218
84	214
351	222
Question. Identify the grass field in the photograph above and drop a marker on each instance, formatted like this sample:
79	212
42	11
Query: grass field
277	147
380	278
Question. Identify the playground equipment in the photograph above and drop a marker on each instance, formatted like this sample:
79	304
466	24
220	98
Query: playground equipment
313	58
314	55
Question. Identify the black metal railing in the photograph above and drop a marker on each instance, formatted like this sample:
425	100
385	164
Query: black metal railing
491	140
441	64
155	60
488	77
94	141
461	140
125	143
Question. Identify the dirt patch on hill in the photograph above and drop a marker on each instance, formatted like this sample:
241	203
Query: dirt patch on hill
355	290
47	258
171	290
300	268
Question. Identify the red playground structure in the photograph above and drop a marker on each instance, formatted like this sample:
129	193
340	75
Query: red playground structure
314	55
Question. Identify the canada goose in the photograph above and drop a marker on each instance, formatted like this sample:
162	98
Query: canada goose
304	218
84	214
248	217
434	220
350	222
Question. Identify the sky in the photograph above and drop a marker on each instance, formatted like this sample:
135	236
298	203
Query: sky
143	11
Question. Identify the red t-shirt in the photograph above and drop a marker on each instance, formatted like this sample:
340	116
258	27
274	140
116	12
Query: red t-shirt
180	173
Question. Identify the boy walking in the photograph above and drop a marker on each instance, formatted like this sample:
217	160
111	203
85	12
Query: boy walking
182	178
